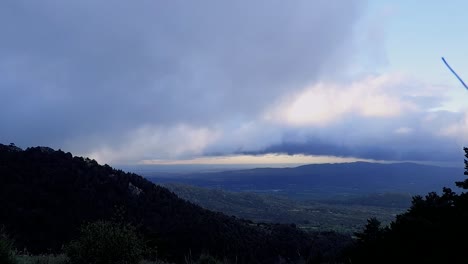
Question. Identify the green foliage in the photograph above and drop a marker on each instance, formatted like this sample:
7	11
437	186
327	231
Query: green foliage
7	255
106	243
42	259
207	259
204	259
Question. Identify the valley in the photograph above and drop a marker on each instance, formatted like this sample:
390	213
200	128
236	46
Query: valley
344	216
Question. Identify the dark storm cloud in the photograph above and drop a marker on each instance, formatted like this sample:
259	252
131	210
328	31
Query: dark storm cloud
130	80
437	152
412	137
74	73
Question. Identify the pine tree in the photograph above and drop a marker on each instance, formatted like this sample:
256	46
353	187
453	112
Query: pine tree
464	184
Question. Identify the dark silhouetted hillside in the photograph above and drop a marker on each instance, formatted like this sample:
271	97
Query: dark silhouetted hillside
45	195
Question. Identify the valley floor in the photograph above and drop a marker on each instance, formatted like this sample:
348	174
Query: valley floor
344	216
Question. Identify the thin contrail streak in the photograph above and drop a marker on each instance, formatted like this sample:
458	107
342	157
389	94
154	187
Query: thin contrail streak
456	75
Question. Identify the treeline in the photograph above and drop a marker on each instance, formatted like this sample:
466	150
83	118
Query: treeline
389	200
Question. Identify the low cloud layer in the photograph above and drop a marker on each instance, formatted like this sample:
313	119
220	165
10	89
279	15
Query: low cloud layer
383	117
129	81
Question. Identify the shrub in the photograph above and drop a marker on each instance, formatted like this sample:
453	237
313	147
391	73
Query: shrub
203	259
7	255
42	259
207	259
105	242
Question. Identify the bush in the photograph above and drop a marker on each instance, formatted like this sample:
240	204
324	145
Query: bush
207	259
42	259
7	255
203	259
105	242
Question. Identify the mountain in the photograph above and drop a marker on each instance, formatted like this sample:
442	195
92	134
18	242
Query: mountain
46	195
325	180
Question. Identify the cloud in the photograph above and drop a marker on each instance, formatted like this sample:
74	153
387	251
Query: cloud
324	103
150	142
155	80
270	159
403	130
383	117
86	73
458	129
374	96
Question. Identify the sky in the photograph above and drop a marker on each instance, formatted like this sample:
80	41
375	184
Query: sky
209	81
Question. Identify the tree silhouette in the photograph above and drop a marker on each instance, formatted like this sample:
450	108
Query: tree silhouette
464	184
372	230
433	230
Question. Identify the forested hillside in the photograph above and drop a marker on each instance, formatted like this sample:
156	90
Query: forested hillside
46	195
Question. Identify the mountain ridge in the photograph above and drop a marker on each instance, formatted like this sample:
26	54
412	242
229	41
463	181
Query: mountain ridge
326	179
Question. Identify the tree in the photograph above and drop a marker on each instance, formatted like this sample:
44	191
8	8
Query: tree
372	230
464	184
106	242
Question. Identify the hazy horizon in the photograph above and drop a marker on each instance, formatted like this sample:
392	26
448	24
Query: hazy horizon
149	169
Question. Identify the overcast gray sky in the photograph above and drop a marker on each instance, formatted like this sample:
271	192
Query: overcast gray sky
126	81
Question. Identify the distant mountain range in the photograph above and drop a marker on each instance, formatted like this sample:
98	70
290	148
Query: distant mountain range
323	181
